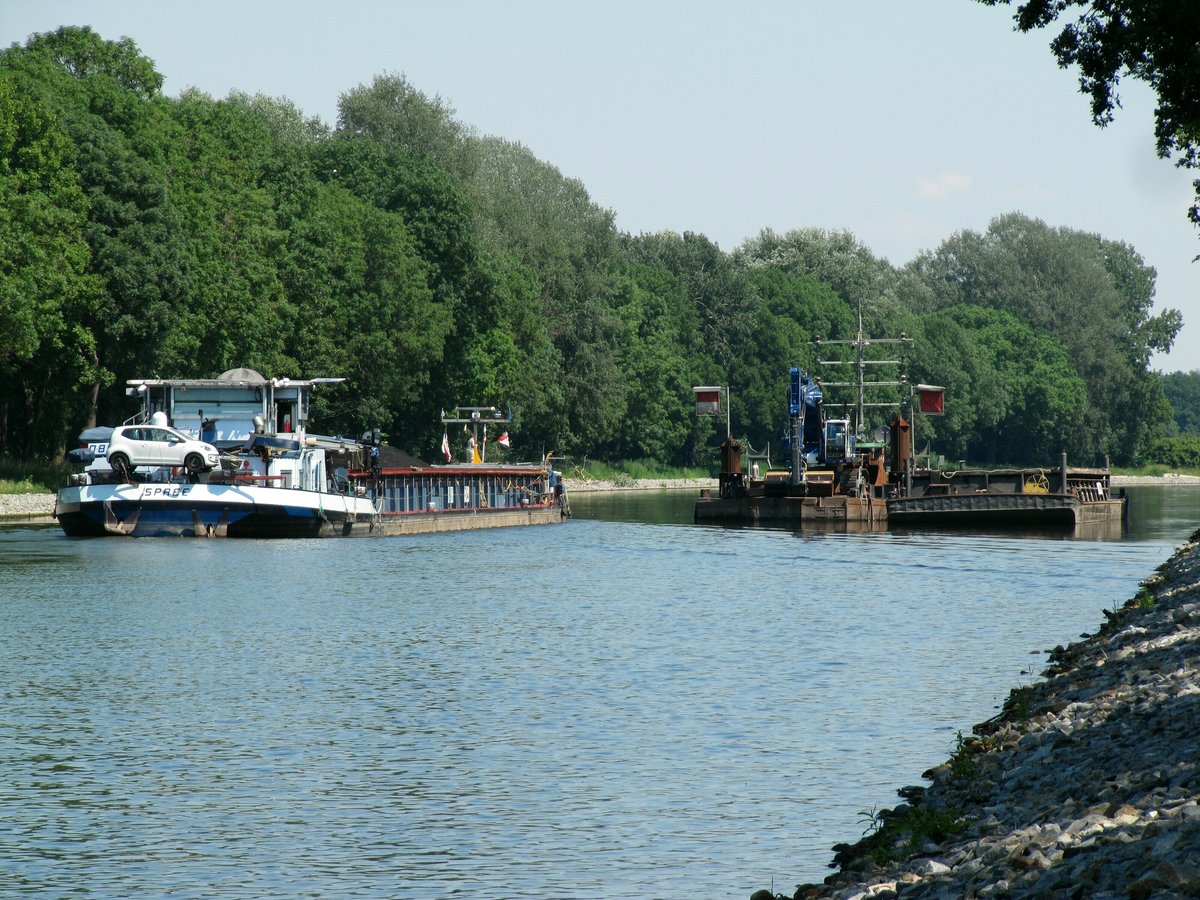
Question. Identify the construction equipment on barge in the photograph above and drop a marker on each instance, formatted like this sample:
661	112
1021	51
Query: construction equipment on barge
838	474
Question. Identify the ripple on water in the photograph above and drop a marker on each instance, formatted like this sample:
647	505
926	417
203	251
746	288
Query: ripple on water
611	708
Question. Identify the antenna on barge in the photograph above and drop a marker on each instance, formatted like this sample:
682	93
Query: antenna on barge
860	342
474	418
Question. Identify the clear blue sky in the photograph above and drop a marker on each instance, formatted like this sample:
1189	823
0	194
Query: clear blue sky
902	122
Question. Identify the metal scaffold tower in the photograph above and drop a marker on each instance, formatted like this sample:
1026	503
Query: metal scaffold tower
859	343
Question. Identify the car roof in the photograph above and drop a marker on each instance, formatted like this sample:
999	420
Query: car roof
148	425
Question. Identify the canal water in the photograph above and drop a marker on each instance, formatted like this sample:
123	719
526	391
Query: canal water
627	706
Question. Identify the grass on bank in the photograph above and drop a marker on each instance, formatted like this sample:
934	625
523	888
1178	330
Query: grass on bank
893	835
25	477
625	472
1154	470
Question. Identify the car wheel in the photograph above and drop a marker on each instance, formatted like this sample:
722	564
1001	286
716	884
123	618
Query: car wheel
120	465
194	464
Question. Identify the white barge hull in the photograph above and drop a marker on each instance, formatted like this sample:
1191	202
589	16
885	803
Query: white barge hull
209	510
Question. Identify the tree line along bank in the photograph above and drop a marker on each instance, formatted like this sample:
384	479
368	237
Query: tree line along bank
431	265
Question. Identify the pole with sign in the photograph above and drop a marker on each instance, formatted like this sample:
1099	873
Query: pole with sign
708	403
932	398
931	401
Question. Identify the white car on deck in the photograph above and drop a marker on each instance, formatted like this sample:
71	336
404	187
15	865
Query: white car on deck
159	445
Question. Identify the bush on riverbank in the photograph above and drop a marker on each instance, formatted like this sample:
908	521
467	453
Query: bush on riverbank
1181	451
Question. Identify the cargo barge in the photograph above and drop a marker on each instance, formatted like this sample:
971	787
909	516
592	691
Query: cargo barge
274	478
875	486
838	475
1062	497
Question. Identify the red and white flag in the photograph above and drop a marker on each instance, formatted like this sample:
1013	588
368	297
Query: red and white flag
503	441
446	446
708	400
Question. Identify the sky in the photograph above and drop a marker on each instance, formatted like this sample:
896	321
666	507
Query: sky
903	123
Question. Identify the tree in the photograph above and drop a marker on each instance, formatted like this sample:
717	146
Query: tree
500	354
48	355
1093	295
230	309
1012	395
529	214
719	295
363	310
792	312
1154	41
848	276
286	122
498	350
417	188
836	258
945	352
83	55
104	96
1182	390
395	114
657	355
1178	452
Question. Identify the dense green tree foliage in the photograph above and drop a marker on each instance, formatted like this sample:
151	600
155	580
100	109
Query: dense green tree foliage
46	355
656	354
432	266
836	258
1177	452
392	112
1182	390
1012	390
1092	295
792	312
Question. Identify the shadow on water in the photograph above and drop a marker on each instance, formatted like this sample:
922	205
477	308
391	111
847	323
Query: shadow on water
1163	511
673	507
1090	531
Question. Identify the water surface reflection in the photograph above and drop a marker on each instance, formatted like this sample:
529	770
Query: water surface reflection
626	706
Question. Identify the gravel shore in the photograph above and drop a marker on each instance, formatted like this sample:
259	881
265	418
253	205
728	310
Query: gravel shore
26	506
1087	784
1168	478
